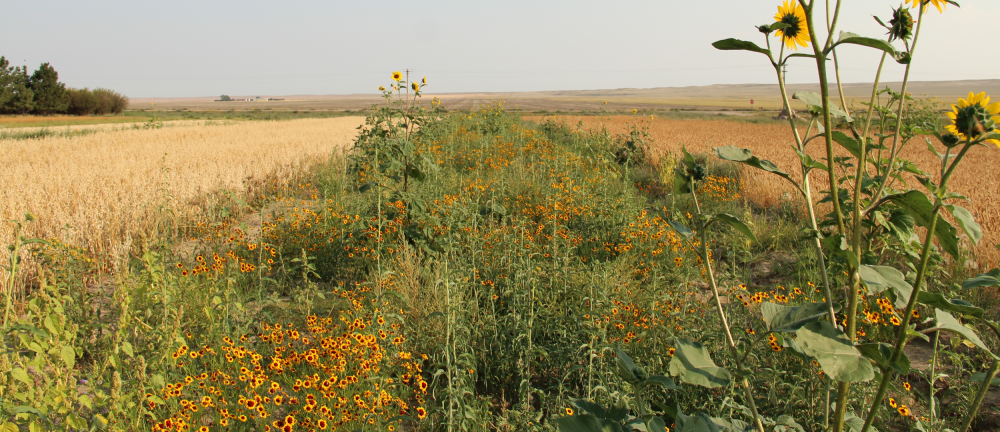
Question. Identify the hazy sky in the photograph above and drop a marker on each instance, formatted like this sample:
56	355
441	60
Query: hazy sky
210	47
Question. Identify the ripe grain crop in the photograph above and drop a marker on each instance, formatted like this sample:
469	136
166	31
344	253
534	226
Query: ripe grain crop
114	190
771	142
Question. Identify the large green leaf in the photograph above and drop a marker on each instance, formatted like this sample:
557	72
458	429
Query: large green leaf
739	45
696	423
954	305
661	381
947	236
788	319
816	101
881	278
586	423
681	229
946	321
736	223
848	143
627	370
980	376
834	351
693	364
881	353
916	204
744	156
984	280
967	222
855	39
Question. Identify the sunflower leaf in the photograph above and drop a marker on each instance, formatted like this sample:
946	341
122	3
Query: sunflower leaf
693	364
967	222
946	321
739	45
856	39
984	280
744	156
954	305
835	352
816	101
736	223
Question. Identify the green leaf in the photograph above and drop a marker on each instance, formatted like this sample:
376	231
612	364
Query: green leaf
954	305
980	376
881	278
967	222
627	370
590	407
947	236
916	204
744	156
681	229
76	422
735	223
696	423
834	351
946	321
984	280
779	26
855	39
68	356
656	424
86	401
693	364
21	375
586	423
816	101
127	347
739	45
848	143
881	353
662	381
788	319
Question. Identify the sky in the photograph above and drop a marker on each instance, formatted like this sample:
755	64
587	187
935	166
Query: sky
183	48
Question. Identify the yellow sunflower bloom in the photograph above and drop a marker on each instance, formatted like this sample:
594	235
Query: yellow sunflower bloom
939	4
795	16
397	75
973	117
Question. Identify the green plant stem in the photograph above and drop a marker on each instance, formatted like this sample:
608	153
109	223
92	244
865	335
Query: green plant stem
899	114
748	394
806	191
887	372
843	388
980	394
932	377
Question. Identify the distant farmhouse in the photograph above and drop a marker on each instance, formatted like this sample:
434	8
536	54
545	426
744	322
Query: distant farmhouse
226	98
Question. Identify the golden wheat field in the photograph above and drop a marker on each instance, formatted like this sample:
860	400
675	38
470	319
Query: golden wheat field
109	191
978	181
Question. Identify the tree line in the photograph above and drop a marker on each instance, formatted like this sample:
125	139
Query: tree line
42	93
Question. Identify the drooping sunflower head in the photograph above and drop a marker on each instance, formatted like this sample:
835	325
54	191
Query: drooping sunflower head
397	75
797	32
415	86
901	24
939	4
974	117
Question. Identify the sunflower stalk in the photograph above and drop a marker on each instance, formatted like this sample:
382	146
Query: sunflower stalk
703	231
901	337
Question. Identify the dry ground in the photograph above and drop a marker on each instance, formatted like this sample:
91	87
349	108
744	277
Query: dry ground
103	192
978	180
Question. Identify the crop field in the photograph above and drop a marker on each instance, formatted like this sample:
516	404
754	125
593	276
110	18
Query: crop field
114	190
491	279
771	141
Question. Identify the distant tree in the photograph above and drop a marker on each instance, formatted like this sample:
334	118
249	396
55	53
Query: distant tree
6	82
109	101
81	102
225	98
20	98
50	94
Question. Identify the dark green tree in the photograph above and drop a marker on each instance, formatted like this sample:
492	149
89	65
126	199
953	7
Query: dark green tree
50	94
22	98
6	82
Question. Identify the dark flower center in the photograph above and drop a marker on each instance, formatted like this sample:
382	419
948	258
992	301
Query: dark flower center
793	21
973	121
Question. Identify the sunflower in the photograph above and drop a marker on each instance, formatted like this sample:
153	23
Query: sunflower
794	16
974	117
397	75
939	4
381	88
